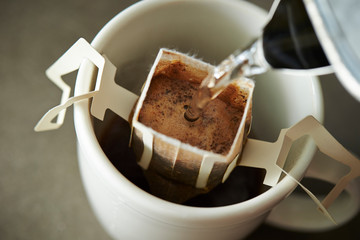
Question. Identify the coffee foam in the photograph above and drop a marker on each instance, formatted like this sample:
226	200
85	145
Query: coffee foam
170	93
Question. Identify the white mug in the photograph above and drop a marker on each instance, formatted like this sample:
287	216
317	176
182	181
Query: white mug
211	30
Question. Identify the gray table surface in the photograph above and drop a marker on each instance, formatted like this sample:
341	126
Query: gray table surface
41	194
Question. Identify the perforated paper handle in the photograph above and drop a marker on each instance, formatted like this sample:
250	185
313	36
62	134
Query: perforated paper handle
107	94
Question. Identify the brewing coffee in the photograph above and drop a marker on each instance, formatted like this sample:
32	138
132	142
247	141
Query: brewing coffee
169	96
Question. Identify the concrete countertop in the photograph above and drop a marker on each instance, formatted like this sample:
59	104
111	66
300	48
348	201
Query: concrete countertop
41	194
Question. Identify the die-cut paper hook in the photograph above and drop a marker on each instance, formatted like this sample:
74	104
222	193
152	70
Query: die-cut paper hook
107	93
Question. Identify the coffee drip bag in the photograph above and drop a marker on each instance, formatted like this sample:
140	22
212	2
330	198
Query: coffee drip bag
182	159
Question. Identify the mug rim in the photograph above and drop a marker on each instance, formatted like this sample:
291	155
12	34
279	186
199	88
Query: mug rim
138	197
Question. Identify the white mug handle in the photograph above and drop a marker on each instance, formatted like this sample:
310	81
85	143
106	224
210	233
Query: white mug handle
298	212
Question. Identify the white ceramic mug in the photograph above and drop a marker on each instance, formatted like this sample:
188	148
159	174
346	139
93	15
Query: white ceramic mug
211	30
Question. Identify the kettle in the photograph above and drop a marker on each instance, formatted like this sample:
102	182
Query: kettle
307	34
